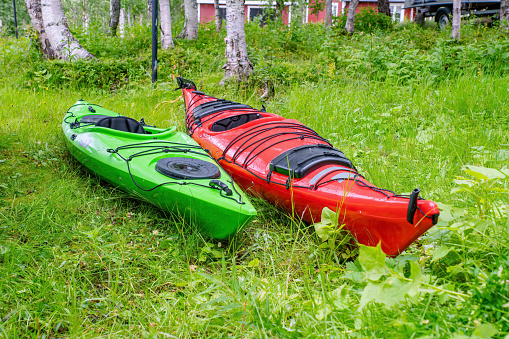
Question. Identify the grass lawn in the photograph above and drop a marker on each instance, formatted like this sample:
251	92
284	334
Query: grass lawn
79	258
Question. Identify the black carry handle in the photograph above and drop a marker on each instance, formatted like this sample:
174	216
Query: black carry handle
184	83
221	185
412	205
91	109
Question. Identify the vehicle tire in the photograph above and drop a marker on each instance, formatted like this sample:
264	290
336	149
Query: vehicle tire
443	17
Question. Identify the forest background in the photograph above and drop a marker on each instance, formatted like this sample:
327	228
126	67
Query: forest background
410	106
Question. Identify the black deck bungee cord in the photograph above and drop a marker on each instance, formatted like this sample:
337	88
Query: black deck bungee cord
190	121
171	149
154	149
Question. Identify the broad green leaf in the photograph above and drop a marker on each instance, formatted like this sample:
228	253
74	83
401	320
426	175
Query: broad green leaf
441	252
340	297
485	331
323	312
254	263
416	276
329	217
322	230
372	260
483	172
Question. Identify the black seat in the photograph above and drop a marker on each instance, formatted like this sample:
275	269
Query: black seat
216	106
299	161
234	121
124	124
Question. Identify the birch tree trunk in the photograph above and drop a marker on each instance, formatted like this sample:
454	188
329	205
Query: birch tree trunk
149	12
114	16
383	7
328	14
129	23
166	37
141	19
85	18
237	64
504	15
350	16
121	23
219	21
62	43
190	30
456	19
34	9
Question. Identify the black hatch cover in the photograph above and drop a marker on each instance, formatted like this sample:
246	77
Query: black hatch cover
299	161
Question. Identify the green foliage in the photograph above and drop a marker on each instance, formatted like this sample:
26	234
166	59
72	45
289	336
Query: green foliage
7	17
367	21
410	109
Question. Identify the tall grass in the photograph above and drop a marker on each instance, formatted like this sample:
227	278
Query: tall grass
79	258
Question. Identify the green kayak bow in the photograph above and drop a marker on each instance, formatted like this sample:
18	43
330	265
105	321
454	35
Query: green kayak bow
162	166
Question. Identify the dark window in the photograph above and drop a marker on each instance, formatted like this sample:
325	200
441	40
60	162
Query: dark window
260	12
222	13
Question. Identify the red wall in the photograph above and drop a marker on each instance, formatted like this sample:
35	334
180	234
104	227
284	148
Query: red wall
208	14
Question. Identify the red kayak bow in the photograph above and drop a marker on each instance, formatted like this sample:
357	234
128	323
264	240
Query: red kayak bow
290	165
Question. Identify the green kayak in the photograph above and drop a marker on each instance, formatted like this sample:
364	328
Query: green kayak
162	166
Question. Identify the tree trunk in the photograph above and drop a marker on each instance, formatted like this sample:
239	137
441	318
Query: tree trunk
114	16
237	64
456	19
141	19
85	18
350	17
504	15
35	11
383	7
121	23
219	21
190	30
149	12
166	37
129	23
328	14
62	43
304	12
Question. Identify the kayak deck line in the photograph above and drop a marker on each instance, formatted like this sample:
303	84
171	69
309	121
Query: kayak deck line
292	166
167	149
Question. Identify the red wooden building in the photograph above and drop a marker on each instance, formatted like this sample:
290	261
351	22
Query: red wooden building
255	8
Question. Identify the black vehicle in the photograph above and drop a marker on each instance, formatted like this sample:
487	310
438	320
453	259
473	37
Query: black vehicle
442	9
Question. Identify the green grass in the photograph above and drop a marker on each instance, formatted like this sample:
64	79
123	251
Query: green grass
79	258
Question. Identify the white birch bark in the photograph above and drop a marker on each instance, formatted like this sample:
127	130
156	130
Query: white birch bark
350	16
166	36
456	19
85	18
34	10
129	23
190	30
504	15
237	64
149	12
114	16
141	19
62	43
219	21
328	14
121	23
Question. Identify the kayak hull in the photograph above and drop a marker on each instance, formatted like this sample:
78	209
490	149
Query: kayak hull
196	201
248	152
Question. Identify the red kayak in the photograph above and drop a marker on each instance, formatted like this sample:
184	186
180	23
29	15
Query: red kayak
290	165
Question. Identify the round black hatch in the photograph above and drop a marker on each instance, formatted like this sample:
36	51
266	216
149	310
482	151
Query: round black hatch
187	168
